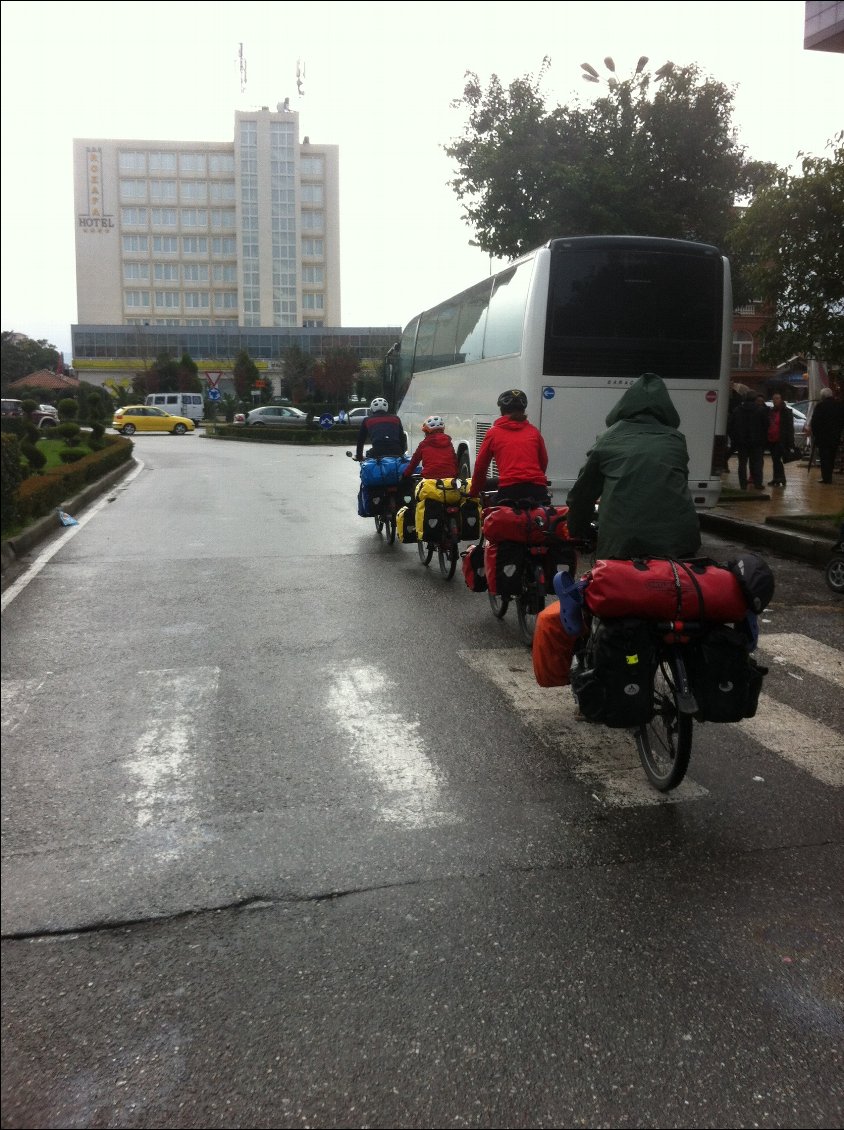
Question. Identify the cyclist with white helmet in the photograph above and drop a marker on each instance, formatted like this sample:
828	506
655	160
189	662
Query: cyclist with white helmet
435	453
383	430
518	450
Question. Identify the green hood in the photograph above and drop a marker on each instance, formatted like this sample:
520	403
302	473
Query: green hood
647	396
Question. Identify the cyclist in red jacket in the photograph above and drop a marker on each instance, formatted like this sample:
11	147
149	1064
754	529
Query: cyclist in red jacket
436	452
519	450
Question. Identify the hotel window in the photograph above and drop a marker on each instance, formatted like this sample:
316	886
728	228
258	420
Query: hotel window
222	217
222	192
312	166
313	275
132	162
313	301
136	298
162	162
196	300
312	194
197	321
312	324
166	272
313	248
221	162
165	244
133	189
225	300
167	322
224	272
192	163
195	272
133	217
193	191
168	299
162	190
164	217
194	217
313	221
133	244
136	272
742	350
194	245
224	245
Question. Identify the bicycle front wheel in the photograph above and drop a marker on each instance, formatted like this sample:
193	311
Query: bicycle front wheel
665	743
426	552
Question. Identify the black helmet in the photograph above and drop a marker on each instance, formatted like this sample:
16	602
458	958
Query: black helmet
512	400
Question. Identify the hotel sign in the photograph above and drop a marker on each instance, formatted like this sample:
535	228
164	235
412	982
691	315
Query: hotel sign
95	219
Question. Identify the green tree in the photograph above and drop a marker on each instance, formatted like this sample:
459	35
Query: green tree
791	238
19	358
654	155
334	376
188	375
244	373
298	373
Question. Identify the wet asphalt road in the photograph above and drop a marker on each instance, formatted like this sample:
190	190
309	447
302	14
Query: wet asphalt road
278	852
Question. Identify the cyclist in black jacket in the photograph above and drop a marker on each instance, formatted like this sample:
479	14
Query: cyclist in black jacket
382	430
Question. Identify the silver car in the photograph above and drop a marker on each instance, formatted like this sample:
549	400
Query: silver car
274	415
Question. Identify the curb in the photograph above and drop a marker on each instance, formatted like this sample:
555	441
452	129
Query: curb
17	547
815	550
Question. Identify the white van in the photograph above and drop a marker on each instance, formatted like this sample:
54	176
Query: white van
179	404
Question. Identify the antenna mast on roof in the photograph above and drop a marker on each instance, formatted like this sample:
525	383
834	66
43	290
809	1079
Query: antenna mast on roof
242	67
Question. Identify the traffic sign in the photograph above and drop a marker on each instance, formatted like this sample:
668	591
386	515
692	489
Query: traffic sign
214	394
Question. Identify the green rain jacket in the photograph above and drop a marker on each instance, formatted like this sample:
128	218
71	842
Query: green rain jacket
639	470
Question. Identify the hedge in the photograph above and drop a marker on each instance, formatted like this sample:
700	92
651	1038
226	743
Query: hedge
39	494
11	478
338	436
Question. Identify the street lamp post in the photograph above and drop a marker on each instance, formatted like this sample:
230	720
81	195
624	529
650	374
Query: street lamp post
474	243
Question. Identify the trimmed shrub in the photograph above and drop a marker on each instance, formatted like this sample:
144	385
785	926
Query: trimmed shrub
33	455
40	494
73	454
11	478
69	432
68	408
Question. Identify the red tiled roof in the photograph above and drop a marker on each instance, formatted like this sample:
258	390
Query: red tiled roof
51	382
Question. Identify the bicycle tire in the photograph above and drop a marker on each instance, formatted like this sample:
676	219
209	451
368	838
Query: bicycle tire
448	556
529	604
426	552
379	524
499	605
665	743
390	527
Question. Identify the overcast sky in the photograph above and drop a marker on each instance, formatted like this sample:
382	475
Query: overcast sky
379	82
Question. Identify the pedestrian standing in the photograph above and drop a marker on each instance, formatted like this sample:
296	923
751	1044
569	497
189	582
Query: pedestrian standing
748	431
780	436
826	427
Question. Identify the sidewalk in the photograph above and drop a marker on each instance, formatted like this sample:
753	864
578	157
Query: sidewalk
768	518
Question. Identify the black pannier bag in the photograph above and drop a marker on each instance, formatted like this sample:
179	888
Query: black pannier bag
433	520
504	563
470	519
560	555
613	676
724	677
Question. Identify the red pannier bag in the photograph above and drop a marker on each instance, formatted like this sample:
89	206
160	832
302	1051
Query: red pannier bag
552	649
534	526
662	589
504	562
474	569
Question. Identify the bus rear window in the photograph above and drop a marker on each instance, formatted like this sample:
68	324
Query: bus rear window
621	313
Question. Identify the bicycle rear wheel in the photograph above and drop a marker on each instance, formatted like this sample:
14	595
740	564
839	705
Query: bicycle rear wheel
665	743
426	552
448	560
390	527
379	523
529	604
499	605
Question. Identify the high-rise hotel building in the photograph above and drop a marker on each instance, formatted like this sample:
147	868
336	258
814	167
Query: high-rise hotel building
199	234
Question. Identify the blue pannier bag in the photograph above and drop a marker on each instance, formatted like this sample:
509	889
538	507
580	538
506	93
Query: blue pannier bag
383	472
364	509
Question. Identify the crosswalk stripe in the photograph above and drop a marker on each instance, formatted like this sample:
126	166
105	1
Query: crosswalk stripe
809	745
598	756
807	654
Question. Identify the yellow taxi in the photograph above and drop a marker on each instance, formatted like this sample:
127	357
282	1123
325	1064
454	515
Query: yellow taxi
143	418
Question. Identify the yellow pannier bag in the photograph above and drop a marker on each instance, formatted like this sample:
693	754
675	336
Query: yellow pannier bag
404	525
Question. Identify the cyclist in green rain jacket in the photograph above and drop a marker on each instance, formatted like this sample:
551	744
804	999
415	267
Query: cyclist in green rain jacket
639	470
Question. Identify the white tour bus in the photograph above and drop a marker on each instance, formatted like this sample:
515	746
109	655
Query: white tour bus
187	404
573	324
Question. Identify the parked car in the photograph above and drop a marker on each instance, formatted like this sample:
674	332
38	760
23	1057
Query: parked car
273	415
44	416
358	414
141	418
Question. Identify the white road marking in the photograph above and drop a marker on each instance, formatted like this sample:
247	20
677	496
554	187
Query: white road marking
809	745
794	650
165	761
69	532
601	757
388	746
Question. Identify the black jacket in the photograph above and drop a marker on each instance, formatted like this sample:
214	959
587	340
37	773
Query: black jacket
385	434
748	426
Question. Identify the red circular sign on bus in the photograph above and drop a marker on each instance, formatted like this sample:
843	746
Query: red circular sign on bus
710	396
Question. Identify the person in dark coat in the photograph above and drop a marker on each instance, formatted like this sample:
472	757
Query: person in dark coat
780	436
826	427
639	469
748	432
383	430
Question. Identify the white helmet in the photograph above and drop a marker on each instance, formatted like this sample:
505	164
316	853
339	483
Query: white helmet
379	404
434	424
